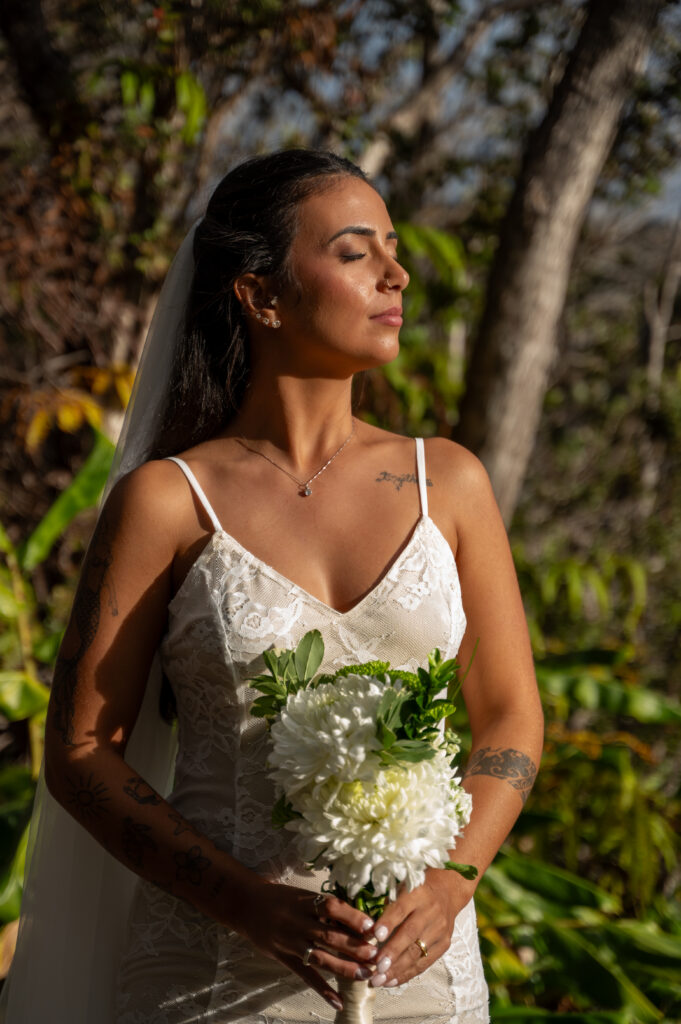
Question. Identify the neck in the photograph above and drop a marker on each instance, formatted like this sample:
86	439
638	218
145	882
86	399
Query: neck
306	418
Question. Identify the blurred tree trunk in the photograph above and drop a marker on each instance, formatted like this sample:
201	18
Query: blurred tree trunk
507	374
43	72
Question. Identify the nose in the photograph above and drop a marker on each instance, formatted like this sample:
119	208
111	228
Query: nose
394	276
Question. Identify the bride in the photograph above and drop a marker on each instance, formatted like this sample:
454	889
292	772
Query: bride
248	506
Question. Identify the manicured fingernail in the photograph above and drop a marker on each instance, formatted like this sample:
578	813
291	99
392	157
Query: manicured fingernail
391	983
381	933
367	923
369	952
384	964
362	973
335	1002
377	980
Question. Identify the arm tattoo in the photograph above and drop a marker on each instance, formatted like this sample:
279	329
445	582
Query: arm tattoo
136	839
399	479
512	765
181	825
88	797
86	616
141	791
191	865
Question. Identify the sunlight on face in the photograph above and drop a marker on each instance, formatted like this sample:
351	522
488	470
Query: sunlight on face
347	278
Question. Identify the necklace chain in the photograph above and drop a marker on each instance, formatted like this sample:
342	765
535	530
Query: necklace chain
303	485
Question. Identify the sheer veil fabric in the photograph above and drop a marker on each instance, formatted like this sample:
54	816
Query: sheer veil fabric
77	897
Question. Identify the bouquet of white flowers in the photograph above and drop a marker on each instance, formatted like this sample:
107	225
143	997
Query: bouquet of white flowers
366	776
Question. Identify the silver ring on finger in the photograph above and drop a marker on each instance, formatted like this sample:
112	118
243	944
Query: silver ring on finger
307	954
318	902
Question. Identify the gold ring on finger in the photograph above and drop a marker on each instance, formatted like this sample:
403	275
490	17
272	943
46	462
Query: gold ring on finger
307	954
422	946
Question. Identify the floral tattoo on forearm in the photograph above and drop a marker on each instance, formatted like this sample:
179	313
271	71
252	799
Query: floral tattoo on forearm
516	768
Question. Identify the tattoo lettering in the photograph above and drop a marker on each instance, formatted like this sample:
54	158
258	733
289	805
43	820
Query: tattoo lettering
515	767
181	825
136	839
141	791
399	480
88	797
191	865
83	628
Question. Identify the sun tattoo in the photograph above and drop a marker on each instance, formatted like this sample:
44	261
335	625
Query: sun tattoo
87	796
515	767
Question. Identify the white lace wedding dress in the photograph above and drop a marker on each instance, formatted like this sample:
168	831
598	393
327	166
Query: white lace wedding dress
180	966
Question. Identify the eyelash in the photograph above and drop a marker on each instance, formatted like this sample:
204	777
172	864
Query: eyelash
358	256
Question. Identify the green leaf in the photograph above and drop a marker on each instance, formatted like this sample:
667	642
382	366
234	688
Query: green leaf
599	972
556	884
12	881
282	812
468	871
21	696
385	736
83	492
309	655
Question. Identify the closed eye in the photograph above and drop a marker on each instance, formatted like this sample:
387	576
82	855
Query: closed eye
354	256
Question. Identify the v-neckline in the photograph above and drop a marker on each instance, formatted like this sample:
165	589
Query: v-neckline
279	577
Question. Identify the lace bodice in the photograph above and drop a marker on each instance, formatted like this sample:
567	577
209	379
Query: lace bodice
230	607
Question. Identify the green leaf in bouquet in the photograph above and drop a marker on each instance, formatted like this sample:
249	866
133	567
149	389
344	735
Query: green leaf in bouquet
265	707
385	736
309	656
468	871
270	687
282	812
412	751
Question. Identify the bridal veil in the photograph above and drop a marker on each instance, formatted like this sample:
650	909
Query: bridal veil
76	896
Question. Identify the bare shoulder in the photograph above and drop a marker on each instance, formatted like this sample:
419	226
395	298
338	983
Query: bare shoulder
151	500
456	468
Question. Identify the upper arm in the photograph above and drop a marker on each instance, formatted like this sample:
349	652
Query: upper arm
118	616
501	679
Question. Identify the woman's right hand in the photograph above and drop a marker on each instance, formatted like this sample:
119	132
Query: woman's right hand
285	921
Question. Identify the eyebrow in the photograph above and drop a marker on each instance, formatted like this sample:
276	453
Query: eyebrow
356	230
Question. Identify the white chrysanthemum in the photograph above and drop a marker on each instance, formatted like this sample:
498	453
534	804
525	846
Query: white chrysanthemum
387	829
326	731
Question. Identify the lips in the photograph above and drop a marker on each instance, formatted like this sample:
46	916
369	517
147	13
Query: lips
392	315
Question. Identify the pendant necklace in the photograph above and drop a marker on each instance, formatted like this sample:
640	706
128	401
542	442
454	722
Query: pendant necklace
304	489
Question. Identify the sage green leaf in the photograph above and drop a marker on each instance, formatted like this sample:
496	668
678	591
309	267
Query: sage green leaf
309	655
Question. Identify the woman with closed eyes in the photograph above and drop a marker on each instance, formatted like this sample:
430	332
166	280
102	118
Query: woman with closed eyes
248	507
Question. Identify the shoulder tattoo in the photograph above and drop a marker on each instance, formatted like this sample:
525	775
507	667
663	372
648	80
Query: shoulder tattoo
398	479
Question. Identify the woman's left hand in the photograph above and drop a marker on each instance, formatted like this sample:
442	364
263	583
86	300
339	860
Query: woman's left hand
427	913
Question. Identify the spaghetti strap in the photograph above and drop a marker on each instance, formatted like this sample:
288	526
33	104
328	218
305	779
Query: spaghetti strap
421	466
198	491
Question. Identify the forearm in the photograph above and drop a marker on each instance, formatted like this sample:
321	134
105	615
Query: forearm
143	831
499	776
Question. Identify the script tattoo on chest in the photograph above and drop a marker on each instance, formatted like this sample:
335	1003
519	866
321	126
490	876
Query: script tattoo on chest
513	766
399	479
95	582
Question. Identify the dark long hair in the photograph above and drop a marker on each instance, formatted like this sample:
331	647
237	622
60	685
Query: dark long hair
248	226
